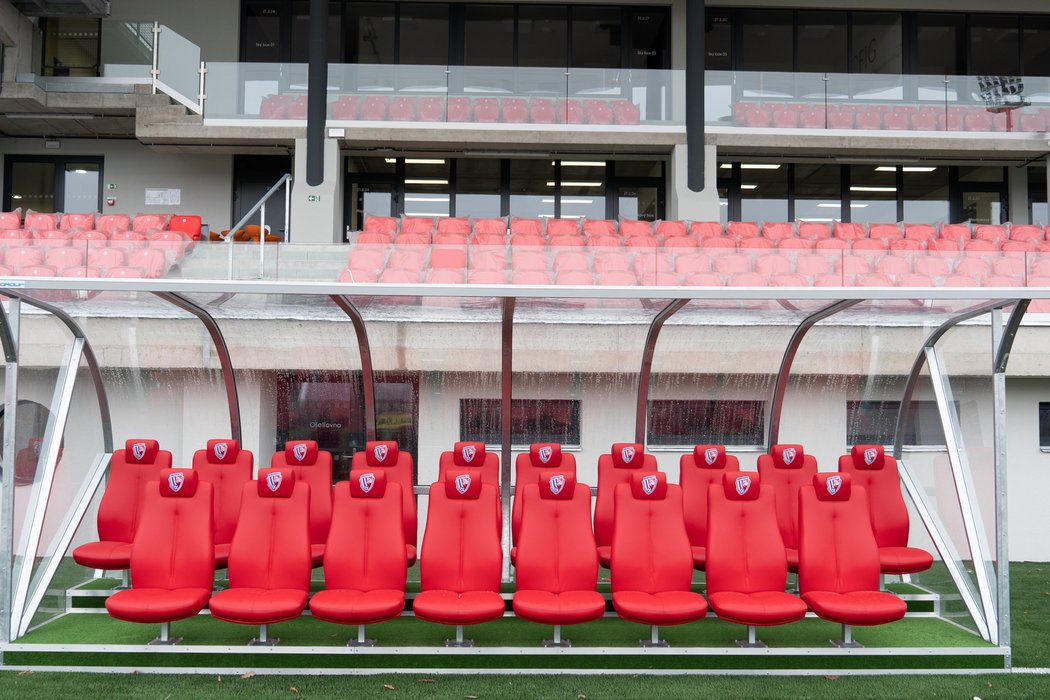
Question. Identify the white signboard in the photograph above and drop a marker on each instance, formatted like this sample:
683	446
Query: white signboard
160	197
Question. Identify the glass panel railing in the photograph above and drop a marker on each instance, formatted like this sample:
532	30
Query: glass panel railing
178	67
126	49
256	91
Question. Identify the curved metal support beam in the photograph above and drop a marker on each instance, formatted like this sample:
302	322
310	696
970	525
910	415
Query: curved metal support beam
641	409
363	347
1006	343
777	404
221	350
506	435
89	358
7	339
904	412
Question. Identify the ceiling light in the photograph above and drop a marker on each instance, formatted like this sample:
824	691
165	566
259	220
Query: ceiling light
16	196
80	171
752	166
425	213
829	205
425	161
906	168
749	187
570	201
822	221
870	188
426	181
390	160
583	163
576	183
426	199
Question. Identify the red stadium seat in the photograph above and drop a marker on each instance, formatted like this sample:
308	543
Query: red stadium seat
458	109
460	564
486	109
488	277
127	240
955	232
742	229
527	468
625	112
125	272
431	109
849	232
732	264
402	109
571	261
453	225
297	106
784	470
227	467
37	271
189	225
269	568
24	256
563	227
615	468
602	227
172	565
345	107
885	232
515	110
75	222
813	231
568	112
667	229
747	563
615	261
148	223
62	258
795	244
152	262
448	257
839	558
530	227
870	467
471	455
140	461
926	119
756	243
313	467
36	220
811	118
1020	232
364	566
598	111
398	466
557	563
374	108
696	471
774	264
381	224
777	231
652	567
419	225
541	110
919	232
10	220
17	236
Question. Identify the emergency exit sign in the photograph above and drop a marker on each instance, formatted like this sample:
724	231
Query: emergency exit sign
313	198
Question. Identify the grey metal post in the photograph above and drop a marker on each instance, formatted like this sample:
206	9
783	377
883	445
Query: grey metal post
776	406
317	93
222	351
365	350
695	59
642	407
262	240
7	474
506	391
288	210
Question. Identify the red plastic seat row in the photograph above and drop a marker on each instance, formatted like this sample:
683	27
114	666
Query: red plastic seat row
884	117
508	110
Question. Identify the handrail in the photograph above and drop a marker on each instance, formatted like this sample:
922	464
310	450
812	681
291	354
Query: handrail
287	177
260	206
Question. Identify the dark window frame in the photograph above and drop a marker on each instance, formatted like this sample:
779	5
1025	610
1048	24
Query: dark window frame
919	408
752	439
492	406
59	162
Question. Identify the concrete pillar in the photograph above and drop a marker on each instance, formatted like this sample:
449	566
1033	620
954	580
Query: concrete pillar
1017	194
16	42
685	204
317	212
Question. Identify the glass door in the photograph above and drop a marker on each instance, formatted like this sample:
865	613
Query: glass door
46	184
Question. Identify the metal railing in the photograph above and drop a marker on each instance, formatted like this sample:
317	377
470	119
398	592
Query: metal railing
260	207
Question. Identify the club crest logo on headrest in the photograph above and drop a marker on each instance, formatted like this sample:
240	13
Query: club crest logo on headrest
220	450
463	483
628	454
789	455
834	483
649	482
175	481
139	450
299	451
870	455
743	484
710	455
380	451
469	452
546	452
557	483
367	481
273	481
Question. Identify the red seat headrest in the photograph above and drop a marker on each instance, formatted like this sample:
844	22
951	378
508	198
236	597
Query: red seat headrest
788	456
545	454
710	456
832	487
557	485
178	483
739	486
468	454
367	483
650	486
141	451
223	451
868	456
276	483
627	455
381	453
300	452
463	484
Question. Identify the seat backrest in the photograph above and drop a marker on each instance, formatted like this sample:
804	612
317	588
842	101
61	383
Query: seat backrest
173	546
786	469
313	466
227	467
697	471
129	470
398	467
616	468
527	468
271	546
870	467
556	550
650	549
744	551
837	549
365	549
461	547
471	455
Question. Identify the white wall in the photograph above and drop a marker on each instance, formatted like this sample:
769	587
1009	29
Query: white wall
218	35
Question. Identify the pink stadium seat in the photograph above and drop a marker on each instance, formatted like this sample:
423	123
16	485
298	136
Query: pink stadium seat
345	107
446	276
417	225
795	244
563	227
1032	121
460	563
980	246
74	222
897	120
374	239
778	231
10	220
789	281
37	271
773	265
459	226
431	109
761	116
150	261
23	257
381	224
62	258
297	106
171	564
978	120
614	469
747	563
919	232
839	118
692	263
402	109
625	112
527	239
960	281
1019	232
568	261
885	232
907	246
227	467
364	567
697	470
785	118
718	245
531	277
893	266
556	570
574	278
491	277
604	242
527	468
680	242
976	268
742	229
784	470
855	265
486	109
667	229
1010	266
130	469
527	227
568	112
868	245
125	272
756	244
52	239
872	280
352	276
148	223
458	109
647	263
747	279
103	259
613	262
839	557
811	118
813	231
16	236
312	467
598	227
562	242
273	107
651	566
955	232
813	265
943	246
127	240
703	279
527	259
650	242
366	259
407	258
926	118
869	119
450	258
515	110
541	110
269	567
849	232
598	111
617	278
914	280
35	220
384	456
732	264
374	108
488	258
993	234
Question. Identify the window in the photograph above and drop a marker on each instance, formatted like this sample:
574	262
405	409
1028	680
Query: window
50	184
649	44
1035	32
926	198
877	43
30	426
764	192
532	188
543	34
873	422
532	420
488	35
426	187
596	37
993	45
718	39
768	41
822	42
70	46
477	187
371	32
818	192
1044	425
939	46
699	422
301	32
873	194
423	34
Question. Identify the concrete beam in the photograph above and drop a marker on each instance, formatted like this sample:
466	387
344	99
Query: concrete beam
16	41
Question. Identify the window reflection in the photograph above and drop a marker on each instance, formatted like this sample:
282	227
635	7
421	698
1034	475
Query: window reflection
873	194
532	188
763	192
926	198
